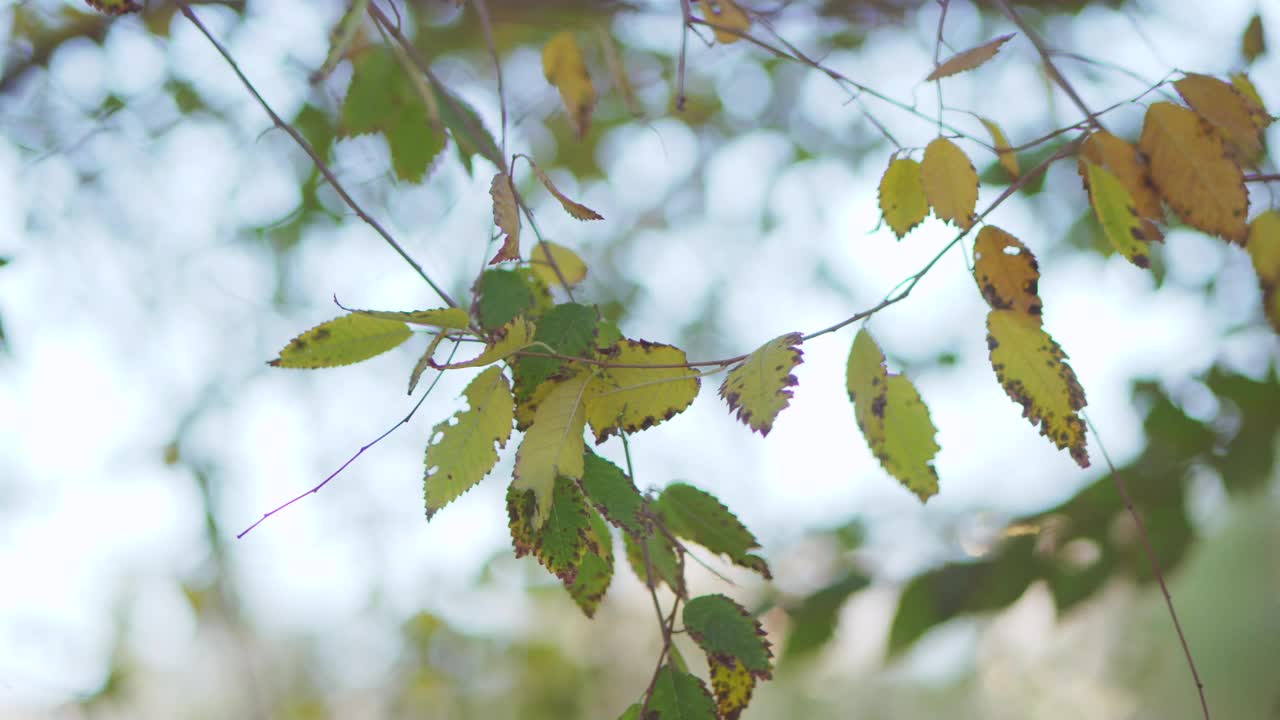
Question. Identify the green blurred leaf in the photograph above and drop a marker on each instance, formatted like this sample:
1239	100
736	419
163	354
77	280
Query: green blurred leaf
678	695
813	621
697	515
662	561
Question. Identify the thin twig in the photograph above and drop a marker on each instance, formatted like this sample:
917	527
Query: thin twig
686	17
937	57
1047	58
1154	561
482	12
315	157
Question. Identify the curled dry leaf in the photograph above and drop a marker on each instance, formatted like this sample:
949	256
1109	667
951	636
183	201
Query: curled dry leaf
506	215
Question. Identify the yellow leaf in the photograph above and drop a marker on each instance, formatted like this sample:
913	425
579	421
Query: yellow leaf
1006	271
902	196
969	59
553	446
1128	166
732	683
725	14
618	73
1034	373
1008	160
424	362
564	68
1118	216
1253	43
342	341
506	215
577	210
1264	250
114	7
1228	110
1191	169
571	266
1241	82
461	451
760	386
630	399
950	182
510	338
892	417
447	318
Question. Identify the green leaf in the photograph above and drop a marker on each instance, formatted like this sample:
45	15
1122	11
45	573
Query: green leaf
662	561
501	296
631	399
368	106
677	695
414	143
560	543
813	621
730	637
760	386
698	516
447	318
383	98
595	572
631	713
315	126
342	341
465	126
553	445
569	329
461	451
1118	216
614	495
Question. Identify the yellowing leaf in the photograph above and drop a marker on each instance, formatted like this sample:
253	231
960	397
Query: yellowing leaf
892	417
969	59
553	444
571	266
1034	373
724	16
1228	110
1006	271
461	451
1254	42
1128	166
564	68
950	182
630	399
342	341
114	7
760	386
1118	216
447	318
1008	160
902	198
506	215
1241	82
1191	169
733	685
510	338
1264	250
577	210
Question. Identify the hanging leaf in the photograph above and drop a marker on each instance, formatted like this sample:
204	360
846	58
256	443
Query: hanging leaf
501	295
461	451
342	341
760	386
553	444
1034	373
566	329
464	126
902	200
1254	42
424	362
384	98
506	215
1123	160
1264	250
950	182
698	516
1191	169
595	571
558	540
893	418
577	210
618	73
340	38
1008	160
631	399
448	318
1258	111
547	254
1006	271
814	620
969	59
1119	218
564	68
1234	116
663	564
510	338
737	653
677	695
725	16
614	495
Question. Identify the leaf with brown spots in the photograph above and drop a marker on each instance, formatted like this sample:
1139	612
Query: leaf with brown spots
760	387
552	447
560	540
1193	171
1006	271
737	652
894	420
595	571
1130	167
342	341
630	399
1034	373
1228	110
1120	221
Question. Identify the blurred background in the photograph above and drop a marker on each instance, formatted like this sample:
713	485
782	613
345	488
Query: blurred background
161	242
